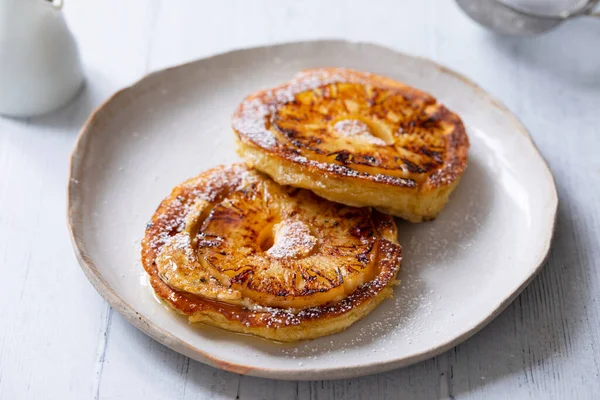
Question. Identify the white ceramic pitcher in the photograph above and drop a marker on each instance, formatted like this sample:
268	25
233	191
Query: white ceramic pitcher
39	63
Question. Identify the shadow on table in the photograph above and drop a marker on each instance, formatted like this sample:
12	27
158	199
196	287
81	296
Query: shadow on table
543	322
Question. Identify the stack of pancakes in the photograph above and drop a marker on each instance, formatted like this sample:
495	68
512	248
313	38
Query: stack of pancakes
300	242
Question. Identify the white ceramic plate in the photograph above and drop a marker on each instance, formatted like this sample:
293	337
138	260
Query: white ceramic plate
459	271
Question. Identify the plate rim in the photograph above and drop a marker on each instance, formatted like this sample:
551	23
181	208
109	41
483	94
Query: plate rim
174	343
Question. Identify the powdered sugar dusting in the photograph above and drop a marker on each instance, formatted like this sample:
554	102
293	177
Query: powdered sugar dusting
252	118
357	129
292	239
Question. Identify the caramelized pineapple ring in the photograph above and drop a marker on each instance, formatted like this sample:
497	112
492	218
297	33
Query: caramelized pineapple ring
370	129
355	138
259	243
232	249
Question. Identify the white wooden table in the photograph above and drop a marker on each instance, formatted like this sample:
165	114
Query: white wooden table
60	340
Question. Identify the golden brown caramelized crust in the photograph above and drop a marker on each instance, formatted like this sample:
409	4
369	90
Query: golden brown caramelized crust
233	249
355	138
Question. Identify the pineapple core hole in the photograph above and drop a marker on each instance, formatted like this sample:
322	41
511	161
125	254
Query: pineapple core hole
287	239
369	131
266	238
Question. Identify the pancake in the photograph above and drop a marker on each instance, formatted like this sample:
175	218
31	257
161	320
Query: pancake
233	249
355	138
